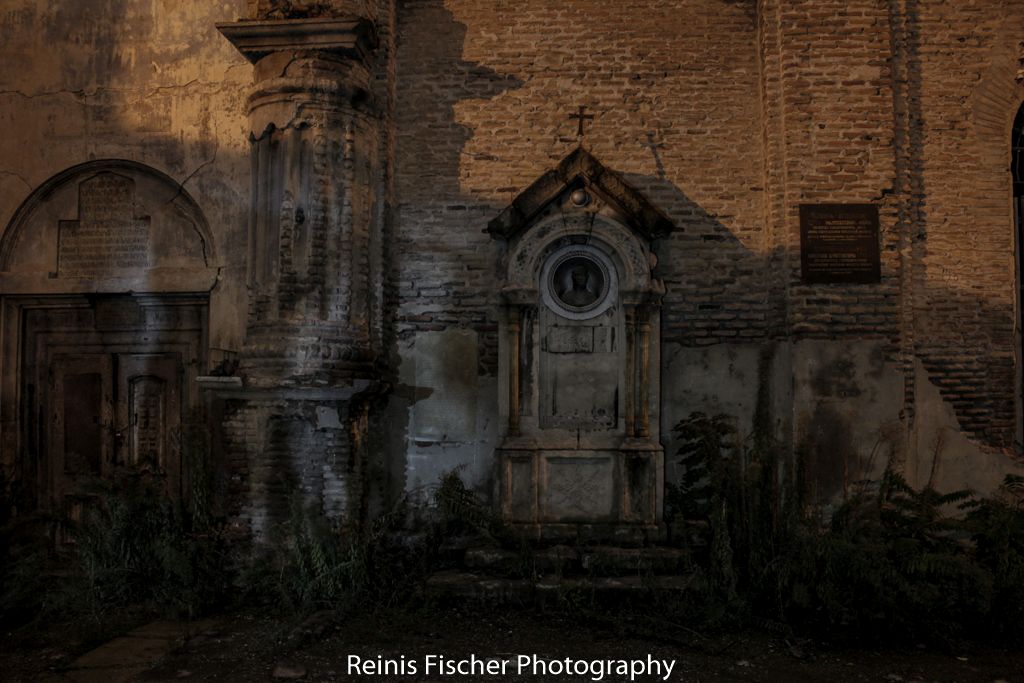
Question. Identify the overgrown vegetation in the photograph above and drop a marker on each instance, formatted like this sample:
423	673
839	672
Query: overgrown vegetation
891	563
316	565
320	566
131	547
120	543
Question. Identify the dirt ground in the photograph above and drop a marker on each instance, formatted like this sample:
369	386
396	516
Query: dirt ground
250	647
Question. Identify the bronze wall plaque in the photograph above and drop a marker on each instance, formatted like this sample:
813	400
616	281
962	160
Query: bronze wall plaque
839	244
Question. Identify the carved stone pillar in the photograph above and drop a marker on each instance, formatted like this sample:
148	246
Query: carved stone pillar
630	372
301	420
314	155
514	330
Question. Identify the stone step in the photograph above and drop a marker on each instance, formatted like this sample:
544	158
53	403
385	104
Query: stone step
460	586
562	560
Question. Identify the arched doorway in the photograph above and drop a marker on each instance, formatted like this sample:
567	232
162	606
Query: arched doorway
105	274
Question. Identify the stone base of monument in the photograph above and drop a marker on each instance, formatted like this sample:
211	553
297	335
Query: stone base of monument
619	534
457	586
587	494
604	574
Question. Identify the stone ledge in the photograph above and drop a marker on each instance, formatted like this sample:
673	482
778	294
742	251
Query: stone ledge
255	39
589	561
464	586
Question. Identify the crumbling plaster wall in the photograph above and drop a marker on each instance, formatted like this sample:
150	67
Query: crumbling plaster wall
151	81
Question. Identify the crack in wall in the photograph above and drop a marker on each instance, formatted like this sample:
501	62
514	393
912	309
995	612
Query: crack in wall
19	177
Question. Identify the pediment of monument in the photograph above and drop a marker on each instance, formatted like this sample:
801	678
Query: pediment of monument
580	169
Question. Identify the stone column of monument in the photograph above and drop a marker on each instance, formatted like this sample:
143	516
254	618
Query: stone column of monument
307	354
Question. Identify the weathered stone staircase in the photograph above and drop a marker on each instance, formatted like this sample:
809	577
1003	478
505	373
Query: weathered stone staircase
531	575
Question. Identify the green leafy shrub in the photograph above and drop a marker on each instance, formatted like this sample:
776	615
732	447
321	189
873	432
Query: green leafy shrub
134	546
893	562
898	564
319	565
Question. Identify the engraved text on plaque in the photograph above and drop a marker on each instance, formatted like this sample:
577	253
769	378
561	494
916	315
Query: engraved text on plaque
839	244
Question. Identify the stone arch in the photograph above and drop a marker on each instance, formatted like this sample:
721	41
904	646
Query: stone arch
109	219
1017	159
527	256
995	100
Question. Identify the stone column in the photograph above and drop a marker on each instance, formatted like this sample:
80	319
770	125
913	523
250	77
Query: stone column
643	426
300	420
630	371
315	149
514	330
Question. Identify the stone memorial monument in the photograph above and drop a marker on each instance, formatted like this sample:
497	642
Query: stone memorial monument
581	309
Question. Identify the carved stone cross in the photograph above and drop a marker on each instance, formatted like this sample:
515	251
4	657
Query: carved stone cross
582	119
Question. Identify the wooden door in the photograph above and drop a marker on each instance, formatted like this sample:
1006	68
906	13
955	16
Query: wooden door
148	415
81	415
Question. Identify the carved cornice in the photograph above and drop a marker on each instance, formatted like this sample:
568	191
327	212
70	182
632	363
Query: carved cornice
582	169
349	37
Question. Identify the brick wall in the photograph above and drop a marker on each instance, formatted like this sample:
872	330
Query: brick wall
728	116
484	95
964	265
277	449
829	132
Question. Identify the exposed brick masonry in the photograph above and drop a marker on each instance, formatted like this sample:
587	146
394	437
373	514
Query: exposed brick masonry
728	119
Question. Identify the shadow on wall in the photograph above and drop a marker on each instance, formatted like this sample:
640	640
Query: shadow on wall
842	397
109	266
717	297
443	414
718	289
435	79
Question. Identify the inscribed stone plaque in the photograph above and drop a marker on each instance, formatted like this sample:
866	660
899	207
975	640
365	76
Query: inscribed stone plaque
579	488
839	244
571	340
107	236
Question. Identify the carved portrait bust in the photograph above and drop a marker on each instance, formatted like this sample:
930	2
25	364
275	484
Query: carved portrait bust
578	282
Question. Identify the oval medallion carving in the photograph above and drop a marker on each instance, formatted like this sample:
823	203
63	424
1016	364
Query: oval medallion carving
578	282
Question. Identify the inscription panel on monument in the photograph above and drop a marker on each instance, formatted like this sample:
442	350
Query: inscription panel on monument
570	340
107	236
839	244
